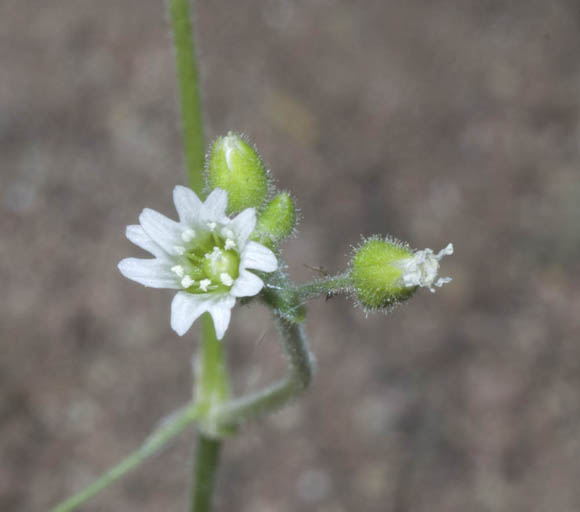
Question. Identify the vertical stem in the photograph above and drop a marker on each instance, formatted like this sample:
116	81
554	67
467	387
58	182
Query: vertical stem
211	378
212	389
204	473
189	91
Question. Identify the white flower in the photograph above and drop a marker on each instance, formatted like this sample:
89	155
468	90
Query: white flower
206	256
422	268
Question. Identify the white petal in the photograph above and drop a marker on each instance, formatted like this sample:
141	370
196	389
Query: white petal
137	235
186	309
243	225
187	204
258	257
447	251
221	312
214	207
152	273
247	285
162	230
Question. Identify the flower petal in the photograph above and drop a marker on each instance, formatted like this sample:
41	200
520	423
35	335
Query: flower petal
162	230
214	207
258	257
221	312
153	273
187	204
186	308
243	225
137	235
247	285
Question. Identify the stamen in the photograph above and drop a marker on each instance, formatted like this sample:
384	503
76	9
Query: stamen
204	284
179	270
187	281
216	239
215	254
194	257
211	225
228	233
188	235
226	279
422	268
179	250
230	244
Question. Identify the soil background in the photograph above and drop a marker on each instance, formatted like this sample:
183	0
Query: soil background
430	121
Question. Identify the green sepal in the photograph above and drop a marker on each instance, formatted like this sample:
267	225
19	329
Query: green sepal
283	298
236	167
276	221
375	275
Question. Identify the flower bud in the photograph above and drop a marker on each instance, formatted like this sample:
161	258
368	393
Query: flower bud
277	221
386	272
236	167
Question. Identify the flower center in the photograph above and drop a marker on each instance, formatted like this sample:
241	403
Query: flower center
207	261
221	263
422	268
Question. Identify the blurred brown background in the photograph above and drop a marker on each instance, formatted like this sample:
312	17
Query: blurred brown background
432	121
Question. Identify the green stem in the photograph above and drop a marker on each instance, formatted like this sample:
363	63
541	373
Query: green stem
206	464
328	285
211	389
301	362
211	386
189	92
171	428
211	378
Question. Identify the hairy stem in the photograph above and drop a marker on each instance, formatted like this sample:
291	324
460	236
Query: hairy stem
205	470
211	384
211	389
168	430
189	92
326	286
301	362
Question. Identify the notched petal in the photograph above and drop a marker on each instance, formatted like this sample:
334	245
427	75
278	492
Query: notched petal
136	234
247	285
149	272
221	312
161	229
243	225
214	207
258	257
187	204
186	308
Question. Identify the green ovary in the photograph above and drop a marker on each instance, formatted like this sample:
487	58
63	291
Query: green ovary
377	280
206	266
221	262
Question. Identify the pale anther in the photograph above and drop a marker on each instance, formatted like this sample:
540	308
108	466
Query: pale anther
422	268
188	235
211	225
230	244
179	249
187	281
215	254
204	284
227	232
179	270
226	279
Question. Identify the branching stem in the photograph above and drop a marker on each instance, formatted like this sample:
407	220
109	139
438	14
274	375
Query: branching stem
301	363
167	431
